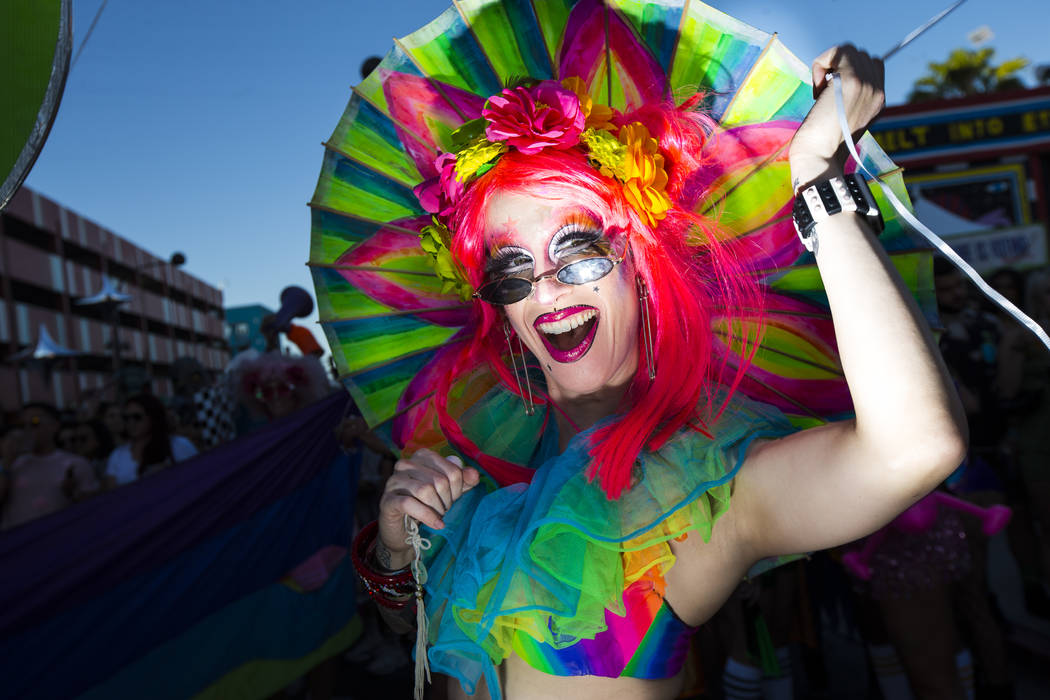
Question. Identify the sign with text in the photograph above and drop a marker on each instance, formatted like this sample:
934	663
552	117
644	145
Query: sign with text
1020	247
1019	123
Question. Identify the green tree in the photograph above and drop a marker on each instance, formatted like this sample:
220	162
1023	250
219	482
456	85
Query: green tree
968	72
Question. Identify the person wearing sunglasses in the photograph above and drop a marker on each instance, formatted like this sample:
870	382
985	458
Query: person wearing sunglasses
150	446
583	453
38	477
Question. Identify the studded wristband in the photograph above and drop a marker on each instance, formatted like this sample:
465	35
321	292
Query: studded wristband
824	199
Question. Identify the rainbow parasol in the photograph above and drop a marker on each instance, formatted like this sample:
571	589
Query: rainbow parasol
388	318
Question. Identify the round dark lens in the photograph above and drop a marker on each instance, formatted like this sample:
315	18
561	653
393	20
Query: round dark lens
505	291
584	271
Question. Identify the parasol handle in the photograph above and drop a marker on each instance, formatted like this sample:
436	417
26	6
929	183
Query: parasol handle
918	31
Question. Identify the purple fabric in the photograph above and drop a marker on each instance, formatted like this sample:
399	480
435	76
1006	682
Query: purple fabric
74	555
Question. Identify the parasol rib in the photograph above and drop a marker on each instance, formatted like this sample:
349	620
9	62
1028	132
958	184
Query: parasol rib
769	224
355	217
750	72
372	268
724	195
794	402
470	28
390	314
784	312
404	128
546	48
608	54
385	363
830	370
678	41
432	81
402	411
335	149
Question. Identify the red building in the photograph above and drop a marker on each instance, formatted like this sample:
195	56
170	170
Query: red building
976	169
49	258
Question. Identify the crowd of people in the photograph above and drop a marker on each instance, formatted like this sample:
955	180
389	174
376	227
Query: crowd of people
53	458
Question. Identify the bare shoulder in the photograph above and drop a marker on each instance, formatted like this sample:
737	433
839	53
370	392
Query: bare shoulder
737	539
772	477
763	459
719	563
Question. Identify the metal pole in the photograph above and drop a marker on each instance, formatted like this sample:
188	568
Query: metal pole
115	340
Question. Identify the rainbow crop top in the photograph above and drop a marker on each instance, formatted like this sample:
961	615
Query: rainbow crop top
570	581
650	641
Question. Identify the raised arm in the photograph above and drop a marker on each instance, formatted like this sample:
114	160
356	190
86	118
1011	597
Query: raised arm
832	484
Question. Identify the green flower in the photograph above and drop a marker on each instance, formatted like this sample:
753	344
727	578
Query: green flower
435	239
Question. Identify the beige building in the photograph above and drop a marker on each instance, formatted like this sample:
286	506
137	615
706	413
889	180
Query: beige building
49	258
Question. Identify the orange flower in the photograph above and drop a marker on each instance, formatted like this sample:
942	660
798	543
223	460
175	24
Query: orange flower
646	178
598	115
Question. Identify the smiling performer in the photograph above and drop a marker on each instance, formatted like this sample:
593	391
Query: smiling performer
651	485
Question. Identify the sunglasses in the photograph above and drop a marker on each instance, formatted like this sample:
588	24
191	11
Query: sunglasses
583	270
134	417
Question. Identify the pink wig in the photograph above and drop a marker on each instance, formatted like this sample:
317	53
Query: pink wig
687	262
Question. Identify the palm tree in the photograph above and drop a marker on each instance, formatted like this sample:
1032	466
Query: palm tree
968	72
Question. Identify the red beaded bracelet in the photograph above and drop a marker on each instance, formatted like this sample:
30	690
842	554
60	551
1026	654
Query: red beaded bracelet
394	590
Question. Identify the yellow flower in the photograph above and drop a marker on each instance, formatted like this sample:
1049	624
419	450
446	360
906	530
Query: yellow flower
605	152
597	115
478	153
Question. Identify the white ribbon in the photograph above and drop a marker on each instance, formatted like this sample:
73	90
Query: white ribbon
935	240
419	573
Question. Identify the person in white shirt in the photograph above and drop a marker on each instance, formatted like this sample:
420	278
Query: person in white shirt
150	445
37	478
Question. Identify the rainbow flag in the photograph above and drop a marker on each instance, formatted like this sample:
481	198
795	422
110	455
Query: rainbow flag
178	585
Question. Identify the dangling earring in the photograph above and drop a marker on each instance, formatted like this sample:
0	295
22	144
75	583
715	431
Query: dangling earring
527	387
647	327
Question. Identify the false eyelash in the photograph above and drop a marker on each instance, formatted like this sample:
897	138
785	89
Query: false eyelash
580	236
508	258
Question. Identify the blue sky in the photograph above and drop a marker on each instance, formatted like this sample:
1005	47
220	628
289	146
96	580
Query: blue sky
196	126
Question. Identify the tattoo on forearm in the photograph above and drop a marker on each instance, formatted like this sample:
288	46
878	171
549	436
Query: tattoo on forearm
383	555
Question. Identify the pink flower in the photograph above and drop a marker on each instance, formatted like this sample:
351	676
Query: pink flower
439	195
547	115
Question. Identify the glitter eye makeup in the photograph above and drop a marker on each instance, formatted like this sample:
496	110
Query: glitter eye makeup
577	236
579	250
572	242
509	260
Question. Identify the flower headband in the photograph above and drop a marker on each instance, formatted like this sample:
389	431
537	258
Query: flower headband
530	118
